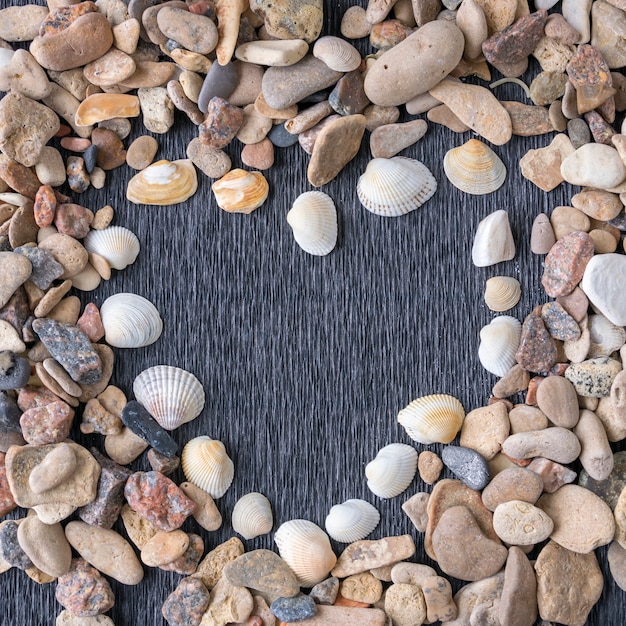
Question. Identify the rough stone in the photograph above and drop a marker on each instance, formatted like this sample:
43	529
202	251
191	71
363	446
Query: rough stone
405	604
293	609
518	603
286	20
83	591
362	587
593	377
139	421
186	604
211	567
537	351
468	465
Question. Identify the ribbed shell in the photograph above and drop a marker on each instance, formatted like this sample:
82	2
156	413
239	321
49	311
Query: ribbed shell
118	245
502	293
392	471
606	337
337	53
206	465
173	396
252	515
432	419
130	321
352	520
313	219
499	341
163	183
493	241
474	168
240	191
396	186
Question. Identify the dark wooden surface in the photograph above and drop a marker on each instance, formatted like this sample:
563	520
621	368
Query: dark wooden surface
306	361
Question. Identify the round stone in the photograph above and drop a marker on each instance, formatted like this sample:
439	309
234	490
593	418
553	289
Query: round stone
521	524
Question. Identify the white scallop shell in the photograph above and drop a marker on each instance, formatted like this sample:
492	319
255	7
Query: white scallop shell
306	548
493	241
352	520
474	168
313	219
130	321
252	515
206	465
392	471
432	419
499	341
502	293
606	337
337	53
396	186
118	245
173	396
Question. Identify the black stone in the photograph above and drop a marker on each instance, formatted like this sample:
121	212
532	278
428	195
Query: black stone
9	413
282	138
136	417
45	267
14	371
10	548
467	465
90	157
220	81
293	609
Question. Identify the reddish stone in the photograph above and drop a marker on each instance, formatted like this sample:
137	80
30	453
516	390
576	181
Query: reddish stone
531	393
160	463
61	17
558	369
601	130
19	177
44	206
554	475
35	397
388	34
537	350
202	8
75	144
187	564
90	323
591	76
16	311
7	503
63	131
77	176
559	322
221	124
187	603
47	424
258	156
111	151
73	220
84	591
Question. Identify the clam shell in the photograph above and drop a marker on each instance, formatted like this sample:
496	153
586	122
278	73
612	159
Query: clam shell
606	337
173	396
306	548
163	183
118	245
352	520
130	321
474	168
432	419
493	241
252	515
206	465
239	191
337	54
313	219
396	186
499	341
392	471
502	293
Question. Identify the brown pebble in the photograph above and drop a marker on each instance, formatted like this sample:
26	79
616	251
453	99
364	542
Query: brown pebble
259	156
77	176
429	466
141	152
221	124
441	114
111	152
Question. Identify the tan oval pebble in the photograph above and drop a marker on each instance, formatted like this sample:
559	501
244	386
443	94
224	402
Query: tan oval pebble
141	152
411	573
255	126
103	217
45	545
50	168
520	523
603	241
53	296
616	557
555	443
557	398
164	548
55	467
97	178
354	24
416	508
277	52
111	68
516	483
388	140
542	236
594	165
258	156
361	588
567	219
126	35
70	253
125	447
598	204
191	82
214	163
21	23
429	466
119	125
22	73
206	514
405	604
596	455
470	18
9	339
196	33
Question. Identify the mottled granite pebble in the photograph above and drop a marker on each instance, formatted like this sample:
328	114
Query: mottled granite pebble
10	549
83	591
186	604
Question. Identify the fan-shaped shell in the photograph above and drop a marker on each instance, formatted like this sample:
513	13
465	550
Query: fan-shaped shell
474	168
130	321
239	191
396	186
313	219
206	465
493	241
432	419
502	293
306	548
606	337
337	53
499	341
118	245
352	520
252	515
163	183
173	396
392	471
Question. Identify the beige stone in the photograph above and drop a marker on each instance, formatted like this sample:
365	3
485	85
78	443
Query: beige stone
138	528
543	165
206	514
405	604
125	447
520	523
210	568
485	428
164	547
361	588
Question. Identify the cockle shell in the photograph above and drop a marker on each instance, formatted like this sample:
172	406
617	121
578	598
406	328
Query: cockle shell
392	471
337	54
313	219
130	321
240	191
105	106
206	465
173	396
502	293
252	515
393	187
306	548
499	341
493	241
163	183
352	520
118	245
432	419
474	168
606	337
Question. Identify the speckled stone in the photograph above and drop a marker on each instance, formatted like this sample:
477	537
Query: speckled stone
566	262
14	371
363	587
466	464
559	323
196	33
187	563
590	75
83	591
44	268
73	219
348	96
210	568
10	549
429	466
385	35
214	163
293	609
186	604
221	124
547	87
291	20
537	351
389	139
47	424
77	175
228	604
593	377
325	593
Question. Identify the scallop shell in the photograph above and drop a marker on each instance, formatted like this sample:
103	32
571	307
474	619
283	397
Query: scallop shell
502	293
352	520
474	168
306	548
173	396
239	191
392	471
252	515
396	186
606	337
118	245
432	419
337	54
493	241
130	321
313	219
499	341
163	183
206	465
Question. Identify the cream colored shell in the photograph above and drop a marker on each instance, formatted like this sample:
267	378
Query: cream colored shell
502	293
252	515
118	245
163	183
432	419
493	242
474	168
392	471
313	220
352	520
130	321
239	191
206	465
337	53
499	341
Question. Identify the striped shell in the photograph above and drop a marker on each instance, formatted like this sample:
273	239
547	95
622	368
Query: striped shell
240	191
474	168
206	465
432	419
352	520
313	219
493	242
502	293
252	515
130	321
499	341
392	471
396	186
337	54
163	183
606	337
118	245
172	396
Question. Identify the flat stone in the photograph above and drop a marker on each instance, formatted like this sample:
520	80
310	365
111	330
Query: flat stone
187	564
344	616
484	429
481	593
438	597
10	550
220	81
608	32
227	604
66	251
125	447
405	604
138	420
141	152
196	33
362	587
45	545
288	20
593	377
442	114
210	568
326	591
602	283
547	87
214	163
553	55
429	466
83	591
516	483
388	140
157	109
596	455
354	24
514	380
15	269
616	557
221	124
520	523
187	603
376	116
560	324
566	262
555	443
411	573
594	165
111	152
258	156
528	120
467	464
275	52
518	603
21	23
556	397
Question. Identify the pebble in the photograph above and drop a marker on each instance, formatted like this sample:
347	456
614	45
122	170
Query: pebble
415	508
520	523
220	81
528	120
47	424
206	512
90	322
210	568
554	475
221	124
161	463
516	483
164	547
183	103
50	169
518	603
389	139
196	33
293	609
325	592
484	429
73	220
594	165
537	351
45	545
557	398
288	20
557	28
553	56
547	87
596	455
139	421
482	593
83	591
24	75
566	262
376	116
429	466
9	339
187	564
187	603
15	270
214	163
10	549
405	604
593	377
363	588
354	24
344	616
156	108
560	324
468	465
125	447
604	293
514	380
348	97
44	268
21	23
258	156
14	371
280	137
438	597
228	604
65	618
138	528
279	52
555	443
616	557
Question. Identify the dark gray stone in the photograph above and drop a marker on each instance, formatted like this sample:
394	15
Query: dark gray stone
45	268
9	413
90	156
14	371
10	548
578	132
293	609
220	81
137	419
280	137
467	465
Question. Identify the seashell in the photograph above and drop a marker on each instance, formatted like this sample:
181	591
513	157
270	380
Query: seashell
173	396
118	245
206	465
474	168
499	341
313	219
432	419
493	241
130	321
502	293
392	471
351	521
163	183
252	515
306	548
240	191
393	187
99	107
606	337
337	54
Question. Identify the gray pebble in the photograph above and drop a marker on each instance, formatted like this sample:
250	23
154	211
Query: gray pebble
10	549
45	268
9	413
220	81
14	371
467	465
293	609
282	138
90	156
578	132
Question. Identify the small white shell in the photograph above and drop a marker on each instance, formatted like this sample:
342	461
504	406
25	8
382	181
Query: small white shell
313	219
474	168
130	321
206	465
432	419
396	186
502	293
392	471
606	337
252	515
493	241
173	396
118	245
337	54
352	520
499	341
